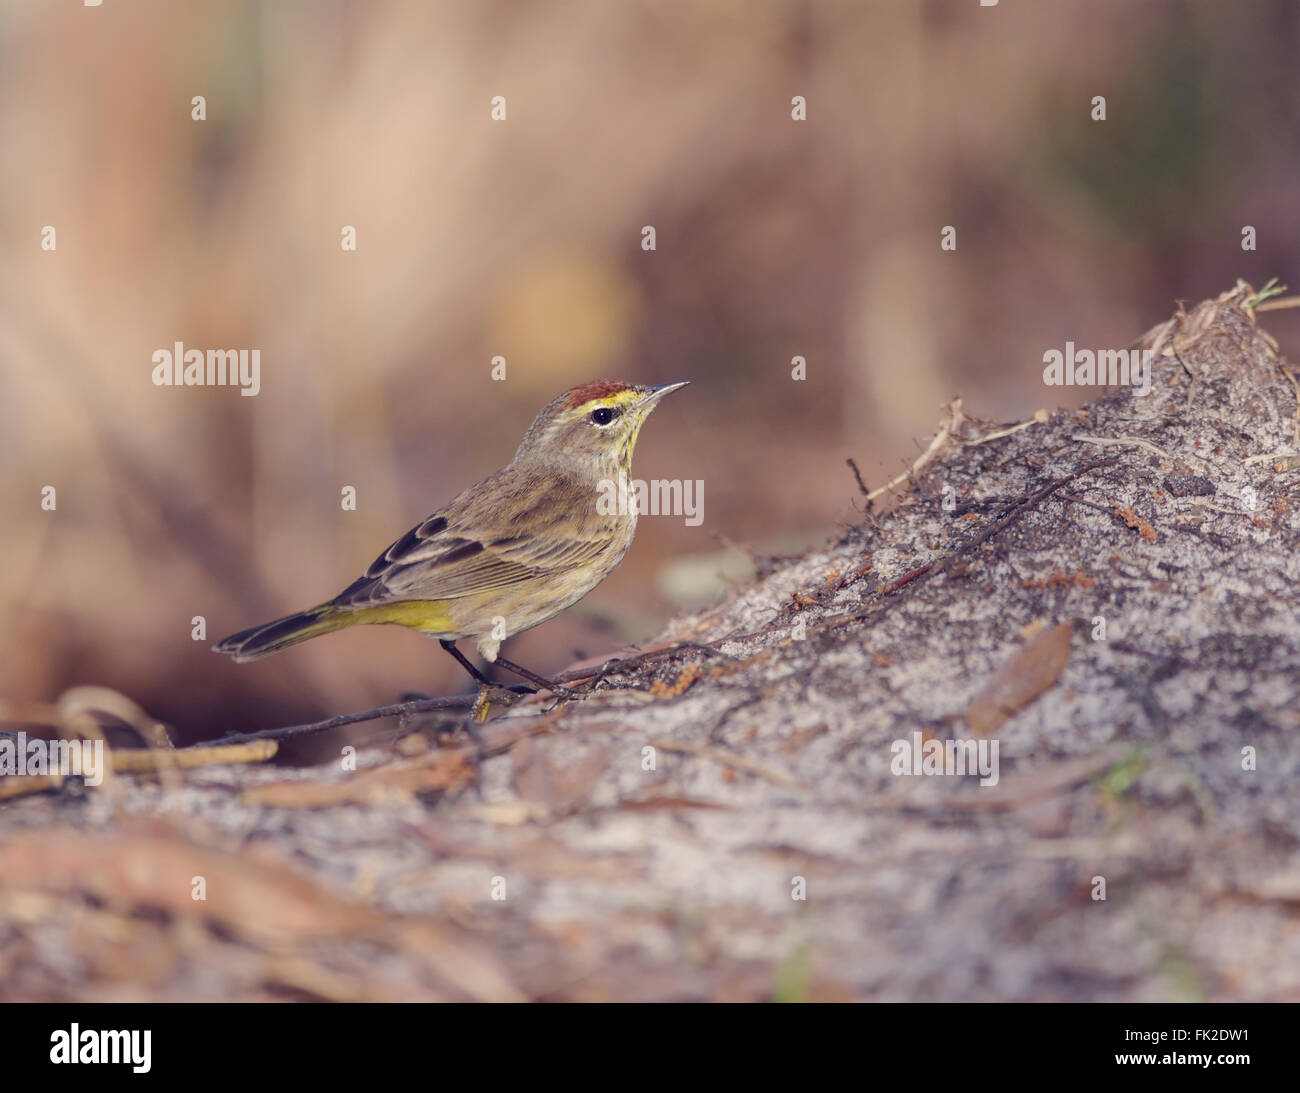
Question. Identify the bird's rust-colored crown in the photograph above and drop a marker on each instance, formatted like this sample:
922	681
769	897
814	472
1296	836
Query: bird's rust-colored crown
589	391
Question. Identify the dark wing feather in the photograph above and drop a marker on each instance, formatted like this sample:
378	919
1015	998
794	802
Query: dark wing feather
535	525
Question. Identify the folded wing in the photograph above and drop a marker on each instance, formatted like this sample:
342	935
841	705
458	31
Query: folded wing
471	546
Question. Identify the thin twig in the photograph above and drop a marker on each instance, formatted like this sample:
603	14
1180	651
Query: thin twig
930	569
456	702
1076	499
20	785
952	422
1278	304
1012	511
1039	417
1125	442
858	475
983	503
149	759
623	664
1195	503
999	523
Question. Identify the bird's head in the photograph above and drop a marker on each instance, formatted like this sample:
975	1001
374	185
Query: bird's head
592	428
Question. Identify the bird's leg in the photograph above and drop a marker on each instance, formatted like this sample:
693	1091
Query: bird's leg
533	678
485	686
463	661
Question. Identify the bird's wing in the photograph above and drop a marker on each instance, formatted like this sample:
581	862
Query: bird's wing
516	526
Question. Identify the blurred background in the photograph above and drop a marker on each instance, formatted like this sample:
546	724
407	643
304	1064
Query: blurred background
522	238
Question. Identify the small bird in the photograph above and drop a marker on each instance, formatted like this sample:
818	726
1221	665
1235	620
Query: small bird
506	554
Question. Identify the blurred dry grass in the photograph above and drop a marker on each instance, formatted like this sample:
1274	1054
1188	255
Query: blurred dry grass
522	239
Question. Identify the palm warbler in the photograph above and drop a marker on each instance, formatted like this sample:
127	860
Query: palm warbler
508	553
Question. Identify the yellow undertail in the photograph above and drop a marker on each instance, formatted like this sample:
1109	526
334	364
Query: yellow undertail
429	616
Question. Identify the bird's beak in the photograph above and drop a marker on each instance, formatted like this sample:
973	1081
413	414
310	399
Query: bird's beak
654	394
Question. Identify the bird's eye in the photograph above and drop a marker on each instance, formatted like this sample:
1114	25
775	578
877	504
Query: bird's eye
603	416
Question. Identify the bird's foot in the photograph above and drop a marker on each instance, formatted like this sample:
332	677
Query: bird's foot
482	706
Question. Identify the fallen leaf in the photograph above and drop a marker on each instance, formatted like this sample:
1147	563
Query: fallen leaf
555	787
1033	669
449	771
263	902
248	897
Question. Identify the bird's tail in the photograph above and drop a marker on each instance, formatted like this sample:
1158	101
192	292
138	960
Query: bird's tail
271	637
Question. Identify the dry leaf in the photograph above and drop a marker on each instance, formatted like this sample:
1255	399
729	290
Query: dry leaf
1033	669
447	772
248	897
555	787
252	898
